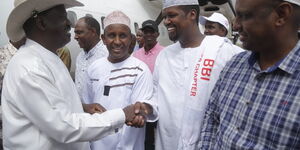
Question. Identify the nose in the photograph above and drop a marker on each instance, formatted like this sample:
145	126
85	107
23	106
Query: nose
68	24
117	41
76	37
206	31
167	21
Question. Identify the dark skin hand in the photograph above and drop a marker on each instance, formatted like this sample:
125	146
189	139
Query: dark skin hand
93	108
136	114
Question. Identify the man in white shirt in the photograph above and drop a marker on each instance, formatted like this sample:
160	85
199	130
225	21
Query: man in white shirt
184	75
119	80
87	33
6	53
217	24
41	106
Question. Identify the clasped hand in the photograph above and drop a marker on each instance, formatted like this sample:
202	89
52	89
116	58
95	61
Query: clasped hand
136	114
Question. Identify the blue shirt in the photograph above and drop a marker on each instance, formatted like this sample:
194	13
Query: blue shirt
254	109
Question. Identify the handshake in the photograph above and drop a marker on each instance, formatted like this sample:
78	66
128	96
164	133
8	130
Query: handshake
136	114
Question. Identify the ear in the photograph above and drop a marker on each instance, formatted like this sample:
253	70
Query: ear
224	30
193	14
40	23
284	12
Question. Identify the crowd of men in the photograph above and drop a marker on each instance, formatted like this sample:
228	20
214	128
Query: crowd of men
201	92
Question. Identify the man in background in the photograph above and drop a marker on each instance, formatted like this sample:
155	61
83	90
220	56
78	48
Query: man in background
216	24
139	38
151	48
87	33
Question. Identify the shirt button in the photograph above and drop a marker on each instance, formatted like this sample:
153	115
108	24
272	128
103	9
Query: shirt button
116	130
248	103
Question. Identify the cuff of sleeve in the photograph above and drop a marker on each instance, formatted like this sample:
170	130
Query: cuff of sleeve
154	116
117	117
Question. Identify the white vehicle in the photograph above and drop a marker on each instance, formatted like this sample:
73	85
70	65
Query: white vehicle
137	10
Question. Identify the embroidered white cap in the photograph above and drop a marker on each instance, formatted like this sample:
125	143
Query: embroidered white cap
215	17
170	3
297	2
116	17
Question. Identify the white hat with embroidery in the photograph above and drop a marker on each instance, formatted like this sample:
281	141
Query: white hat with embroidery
297	2
215	17
116	17
24	9
170	3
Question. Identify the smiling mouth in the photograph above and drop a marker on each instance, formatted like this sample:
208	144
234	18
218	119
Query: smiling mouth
116	50
171	29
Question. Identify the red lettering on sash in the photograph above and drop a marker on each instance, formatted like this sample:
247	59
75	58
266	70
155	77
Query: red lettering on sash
209	62
193	91
206	70
207	79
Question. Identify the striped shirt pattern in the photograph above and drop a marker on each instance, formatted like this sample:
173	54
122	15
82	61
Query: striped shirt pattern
254	109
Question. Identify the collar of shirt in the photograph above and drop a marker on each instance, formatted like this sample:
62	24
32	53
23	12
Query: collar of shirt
91	52
287	64
40	49
152	50
12	50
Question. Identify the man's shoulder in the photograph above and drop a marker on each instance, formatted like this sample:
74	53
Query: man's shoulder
26	60
138	52
169	48
239	59
160	47
80	55
99	61
99	64
133	62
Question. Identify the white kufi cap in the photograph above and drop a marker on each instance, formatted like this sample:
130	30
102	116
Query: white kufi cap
215	17
170	3
116	17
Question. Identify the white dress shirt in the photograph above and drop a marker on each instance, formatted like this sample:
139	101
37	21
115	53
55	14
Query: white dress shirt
42	109
84	60
172	80
126	82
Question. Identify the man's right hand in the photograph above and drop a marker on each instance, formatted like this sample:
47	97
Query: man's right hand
93	108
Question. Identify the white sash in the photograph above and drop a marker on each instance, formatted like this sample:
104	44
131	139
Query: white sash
198	92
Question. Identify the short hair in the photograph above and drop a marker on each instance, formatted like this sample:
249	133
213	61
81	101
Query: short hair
92	23
188	8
